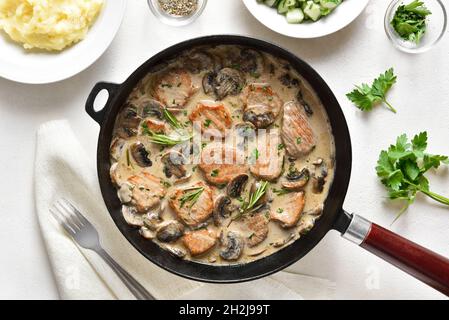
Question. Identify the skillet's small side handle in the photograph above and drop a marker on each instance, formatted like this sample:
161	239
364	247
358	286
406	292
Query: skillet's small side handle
423	264
111	88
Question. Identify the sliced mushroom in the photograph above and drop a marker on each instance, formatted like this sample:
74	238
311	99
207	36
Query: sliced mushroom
318	183
233	247
176	251
117	147
199	60
170	232
132	217
174	164
319	177
152	108
322	166
307	108
152	220
125	193
130	116
237	185
306	224
257	252
128	121
222	209
141	155
246	60
146	233
288	81
209	83
283	242
262	120
228	82
114	173
295	179
308	219
200	226
252	61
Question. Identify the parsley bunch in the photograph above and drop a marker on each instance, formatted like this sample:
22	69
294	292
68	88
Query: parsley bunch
409	21
401	169
365	96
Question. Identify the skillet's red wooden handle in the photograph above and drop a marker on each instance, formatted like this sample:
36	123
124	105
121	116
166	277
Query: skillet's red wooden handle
425	265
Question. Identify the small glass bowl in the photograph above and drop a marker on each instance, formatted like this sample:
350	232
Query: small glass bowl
436	26
176	20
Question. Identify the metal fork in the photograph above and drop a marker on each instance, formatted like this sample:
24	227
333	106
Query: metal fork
84	233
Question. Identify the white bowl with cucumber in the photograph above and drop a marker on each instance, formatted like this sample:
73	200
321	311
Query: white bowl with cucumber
306	18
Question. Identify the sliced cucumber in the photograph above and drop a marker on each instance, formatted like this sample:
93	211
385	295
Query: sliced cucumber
325	11
297	11
290	3
330	4
295	16
312	10
285	5
282	7
271	3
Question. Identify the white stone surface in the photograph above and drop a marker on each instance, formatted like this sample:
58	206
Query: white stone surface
355	54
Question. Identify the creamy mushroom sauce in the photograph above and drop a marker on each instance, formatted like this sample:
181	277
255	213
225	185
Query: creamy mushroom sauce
146	186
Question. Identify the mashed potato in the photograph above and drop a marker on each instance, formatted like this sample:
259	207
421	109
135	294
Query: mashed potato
48	24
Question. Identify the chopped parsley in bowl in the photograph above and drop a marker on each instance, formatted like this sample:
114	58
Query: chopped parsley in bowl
415	26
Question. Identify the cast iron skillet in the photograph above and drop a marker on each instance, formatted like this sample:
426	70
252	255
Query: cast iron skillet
420	262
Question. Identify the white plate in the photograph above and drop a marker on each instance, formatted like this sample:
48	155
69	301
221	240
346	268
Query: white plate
39	67
347	12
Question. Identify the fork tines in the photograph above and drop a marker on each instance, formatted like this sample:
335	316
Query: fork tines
68	216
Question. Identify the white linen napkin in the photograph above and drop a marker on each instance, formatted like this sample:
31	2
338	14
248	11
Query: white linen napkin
63	169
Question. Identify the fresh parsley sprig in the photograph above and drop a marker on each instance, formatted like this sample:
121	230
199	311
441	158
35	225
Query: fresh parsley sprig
366	96
401	169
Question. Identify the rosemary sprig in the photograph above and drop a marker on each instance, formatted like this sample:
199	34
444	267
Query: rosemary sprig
281	192
128	159
164	140
172	119
191	197
250	205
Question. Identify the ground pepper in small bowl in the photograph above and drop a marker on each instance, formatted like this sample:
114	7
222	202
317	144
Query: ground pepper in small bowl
179	7
177	12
